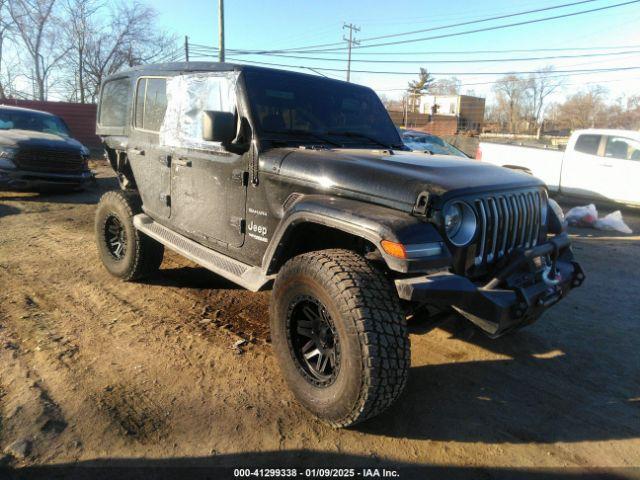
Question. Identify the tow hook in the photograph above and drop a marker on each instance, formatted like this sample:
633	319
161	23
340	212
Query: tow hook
550	274
550	278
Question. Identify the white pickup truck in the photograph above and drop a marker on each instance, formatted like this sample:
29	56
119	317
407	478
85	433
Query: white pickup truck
597	163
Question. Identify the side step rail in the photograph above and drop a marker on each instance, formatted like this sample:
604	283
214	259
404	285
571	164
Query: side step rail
251	278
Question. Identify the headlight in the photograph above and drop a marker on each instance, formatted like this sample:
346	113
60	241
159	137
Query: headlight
452	219
6	155
557	209
459	223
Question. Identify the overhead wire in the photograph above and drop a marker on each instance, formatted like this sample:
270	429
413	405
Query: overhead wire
319	48
522	72
450	52
442	27
481	60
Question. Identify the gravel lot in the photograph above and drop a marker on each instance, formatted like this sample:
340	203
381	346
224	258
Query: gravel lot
94	370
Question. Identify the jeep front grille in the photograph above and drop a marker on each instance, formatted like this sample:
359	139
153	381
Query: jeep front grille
506	222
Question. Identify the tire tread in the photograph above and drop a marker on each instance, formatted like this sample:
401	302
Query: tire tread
148	252
366	295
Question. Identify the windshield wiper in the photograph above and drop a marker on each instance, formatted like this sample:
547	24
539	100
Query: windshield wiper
308	133
362	135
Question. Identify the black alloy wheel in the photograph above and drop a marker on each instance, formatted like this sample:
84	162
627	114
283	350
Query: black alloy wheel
115	237
313	341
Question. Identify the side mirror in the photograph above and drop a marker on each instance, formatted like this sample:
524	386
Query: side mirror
218	126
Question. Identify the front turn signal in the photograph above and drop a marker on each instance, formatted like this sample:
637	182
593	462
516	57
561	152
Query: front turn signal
394	249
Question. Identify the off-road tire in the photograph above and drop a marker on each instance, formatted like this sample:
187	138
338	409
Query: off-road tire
143	255
371	328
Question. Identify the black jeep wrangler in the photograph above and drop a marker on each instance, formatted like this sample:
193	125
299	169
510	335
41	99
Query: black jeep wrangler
274	177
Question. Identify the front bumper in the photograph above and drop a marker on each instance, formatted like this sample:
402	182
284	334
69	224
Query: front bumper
20	179
516	296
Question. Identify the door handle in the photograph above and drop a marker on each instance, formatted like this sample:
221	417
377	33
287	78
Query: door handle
182	162
609	165
136	151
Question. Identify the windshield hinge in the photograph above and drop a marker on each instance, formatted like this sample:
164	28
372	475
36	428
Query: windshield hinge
238	224
240	177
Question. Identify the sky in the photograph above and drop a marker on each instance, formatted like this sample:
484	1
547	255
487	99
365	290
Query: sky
278	24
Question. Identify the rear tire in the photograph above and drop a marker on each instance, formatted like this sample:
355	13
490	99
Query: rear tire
339	335
125	252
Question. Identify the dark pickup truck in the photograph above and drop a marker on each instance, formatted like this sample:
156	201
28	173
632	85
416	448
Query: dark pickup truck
300	183
37	151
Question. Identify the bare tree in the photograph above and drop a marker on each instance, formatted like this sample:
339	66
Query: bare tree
510	93
539	86
9	76
5	30
81	26
129	37
585	109
40	31
445	86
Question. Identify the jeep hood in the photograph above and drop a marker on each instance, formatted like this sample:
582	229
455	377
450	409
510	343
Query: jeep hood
32	139
397	177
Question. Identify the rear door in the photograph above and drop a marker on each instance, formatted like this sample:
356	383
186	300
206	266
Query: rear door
584	166
150	161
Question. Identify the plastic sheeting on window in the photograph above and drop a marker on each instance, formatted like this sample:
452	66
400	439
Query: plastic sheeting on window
188	96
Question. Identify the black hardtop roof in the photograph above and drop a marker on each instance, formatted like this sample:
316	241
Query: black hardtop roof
188	67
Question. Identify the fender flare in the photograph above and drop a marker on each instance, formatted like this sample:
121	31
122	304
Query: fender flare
371	222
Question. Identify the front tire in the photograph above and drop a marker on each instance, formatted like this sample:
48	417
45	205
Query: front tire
126	252
339	335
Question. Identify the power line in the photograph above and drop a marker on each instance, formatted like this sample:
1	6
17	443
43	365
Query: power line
461	24
448	35
442	52
498	27
483	60
436	73
442	27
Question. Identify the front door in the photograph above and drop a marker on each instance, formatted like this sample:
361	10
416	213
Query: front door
208	191
208	183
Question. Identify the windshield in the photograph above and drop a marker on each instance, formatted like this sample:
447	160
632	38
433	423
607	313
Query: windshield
423	142
306	109
36	122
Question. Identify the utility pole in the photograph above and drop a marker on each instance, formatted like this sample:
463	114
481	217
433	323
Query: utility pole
350	41
221	30
186	48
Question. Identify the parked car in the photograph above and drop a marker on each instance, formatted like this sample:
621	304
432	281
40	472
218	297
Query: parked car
426	142
599	164
37	151
275	177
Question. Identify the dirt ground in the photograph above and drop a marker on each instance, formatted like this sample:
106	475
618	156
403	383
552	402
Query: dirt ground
95	371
